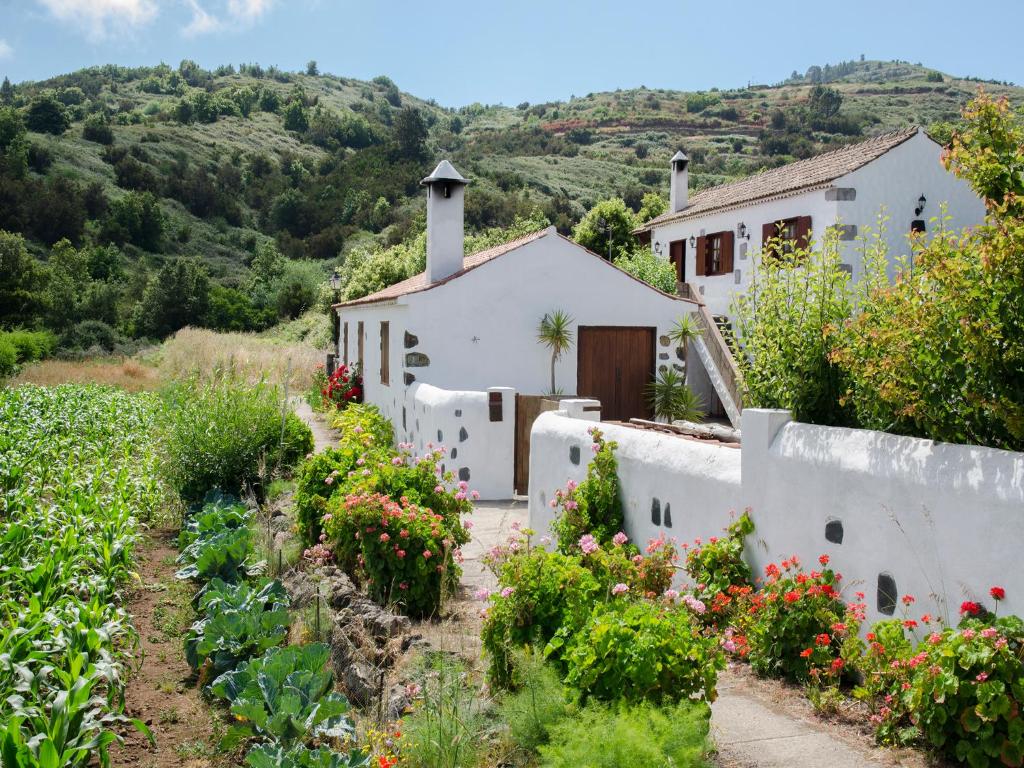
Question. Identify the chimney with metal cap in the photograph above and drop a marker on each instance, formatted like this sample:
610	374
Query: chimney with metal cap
679	187
446	190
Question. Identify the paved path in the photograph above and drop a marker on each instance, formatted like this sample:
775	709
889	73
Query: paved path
754	723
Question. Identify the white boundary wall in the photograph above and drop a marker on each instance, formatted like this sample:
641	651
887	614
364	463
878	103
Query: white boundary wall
476	449
943	522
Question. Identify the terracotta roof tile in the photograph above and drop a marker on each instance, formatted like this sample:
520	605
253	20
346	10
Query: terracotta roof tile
418	283
801	176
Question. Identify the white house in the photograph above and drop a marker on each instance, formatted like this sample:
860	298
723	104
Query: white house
713	235
444	353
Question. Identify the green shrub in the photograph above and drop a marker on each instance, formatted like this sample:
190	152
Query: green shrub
266	756
960	691
717	568
91	333
220	433
30	346
592	507
640	651
538	703
540	593
639	736
8	357
404	553
797	624
295	444
655	271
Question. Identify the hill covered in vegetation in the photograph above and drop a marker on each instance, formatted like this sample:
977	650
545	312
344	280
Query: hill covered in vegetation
141	199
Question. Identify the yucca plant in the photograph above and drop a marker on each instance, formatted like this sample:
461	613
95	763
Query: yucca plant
555	333
672	400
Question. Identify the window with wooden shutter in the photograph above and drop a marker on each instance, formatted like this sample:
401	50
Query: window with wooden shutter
701	260
385	352
779	238
728	244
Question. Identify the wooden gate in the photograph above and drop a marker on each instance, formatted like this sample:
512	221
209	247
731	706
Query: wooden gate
615	364
528	408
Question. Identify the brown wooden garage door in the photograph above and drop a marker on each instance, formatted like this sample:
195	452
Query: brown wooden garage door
614	365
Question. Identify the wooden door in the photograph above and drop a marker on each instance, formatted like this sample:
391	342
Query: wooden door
615	364
677	255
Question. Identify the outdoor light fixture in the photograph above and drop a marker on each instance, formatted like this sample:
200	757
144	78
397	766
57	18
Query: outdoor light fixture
693	241
920	205
335	281
657	247
741	230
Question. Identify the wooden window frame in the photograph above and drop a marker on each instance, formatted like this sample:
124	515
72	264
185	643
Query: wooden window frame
344	343
721	243
385	352
793	233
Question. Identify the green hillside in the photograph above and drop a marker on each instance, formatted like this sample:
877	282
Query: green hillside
163	163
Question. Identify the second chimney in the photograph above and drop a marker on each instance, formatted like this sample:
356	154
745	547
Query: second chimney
446	190
679	186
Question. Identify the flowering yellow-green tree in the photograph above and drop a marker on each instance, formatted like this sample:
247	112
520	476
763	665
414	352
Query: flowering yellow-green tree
939	353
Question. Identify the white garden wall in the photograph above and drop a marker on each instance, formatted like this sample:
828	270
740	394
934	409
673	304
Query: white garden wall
942	522
476	448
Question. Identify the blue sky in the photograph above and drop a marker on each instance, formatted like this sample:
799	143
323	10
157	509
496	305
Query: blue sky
459	52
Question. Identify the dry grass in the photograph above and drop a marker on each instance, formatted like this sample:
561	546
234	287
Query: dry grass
130	374
196	350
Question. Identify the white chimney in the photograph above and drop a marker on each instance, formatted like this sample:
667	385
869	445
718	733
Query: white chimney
446	190
679	186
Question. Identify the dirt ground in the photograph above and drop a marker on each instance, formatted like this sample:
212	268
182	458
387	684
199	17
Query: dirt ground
162	691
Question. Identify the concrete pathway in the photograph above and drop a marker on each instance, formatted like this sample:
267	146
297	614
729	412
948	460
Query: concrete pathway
323	435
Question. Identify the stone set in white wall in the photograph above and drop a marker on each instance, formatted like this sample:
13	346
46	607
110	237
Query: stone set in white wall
896	515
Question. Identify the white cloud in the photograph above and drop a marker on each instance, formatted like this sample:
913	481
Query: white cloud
101	17
6	51
232	14
202	22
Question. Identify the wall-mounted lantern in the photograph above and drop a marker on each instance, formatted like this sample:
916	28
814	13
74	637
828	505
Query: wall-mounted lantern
335	281
693	242
657	247
920	205
741	231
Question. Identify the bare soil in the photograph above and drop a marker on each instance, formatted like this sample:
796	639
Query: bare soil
162	691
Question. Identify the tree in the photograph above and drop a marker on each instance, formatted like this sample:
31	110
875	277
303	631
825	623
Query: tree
653	270
410	132
6	92
135	218
555	333
47	115
311	68
296	118
178	295
608	228
651	205
13	144
21	287
824	102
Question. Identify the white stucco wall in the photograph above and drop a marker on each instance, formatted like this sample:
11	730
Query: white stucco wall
943	521
696	486
892	182
476	449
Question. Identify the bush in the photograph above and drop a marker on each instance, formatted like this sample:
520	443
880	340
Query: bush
541	592
366	436
405	553
960	691
295	444
718	569
798	624
90	334
644	265
30	346
8	357
641	736
539	702
640	651
219	433
592	507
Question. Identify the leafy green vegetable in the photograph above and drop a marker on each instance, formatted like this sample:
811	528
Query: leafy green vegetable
222	555
300	757
229	638
276	664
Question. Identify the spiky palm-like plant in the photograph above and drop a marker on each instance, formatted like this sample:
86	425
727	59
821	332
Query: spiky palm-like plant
555	333
672	400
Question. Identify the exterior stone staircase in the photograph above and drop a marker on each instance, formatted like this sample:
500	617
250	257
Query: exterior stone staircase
717	357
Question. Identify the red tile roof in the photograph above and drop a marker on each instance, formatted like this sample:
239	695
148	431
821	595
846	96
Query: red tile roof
418	283
801	176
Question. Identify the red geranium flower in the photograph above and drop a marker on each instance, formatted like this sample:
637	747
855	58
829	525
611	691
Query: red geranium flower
998	593
971	607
